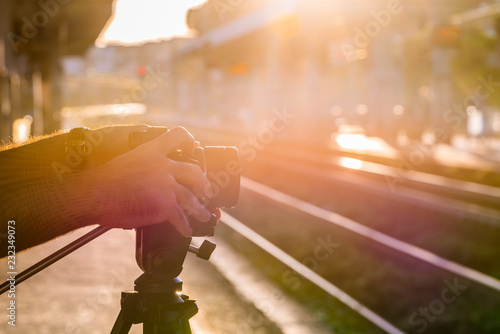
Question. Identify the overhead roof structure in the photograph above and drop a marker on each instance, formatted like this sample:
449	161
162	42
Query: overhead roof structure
71	26
243	25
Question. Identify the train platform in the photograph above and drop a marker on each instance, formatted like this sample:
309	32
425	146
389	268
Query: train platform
485	148
81	292
462	152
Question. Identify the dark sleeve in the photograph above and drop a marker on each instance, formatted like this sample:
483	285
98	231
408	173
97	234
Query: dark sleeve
29	175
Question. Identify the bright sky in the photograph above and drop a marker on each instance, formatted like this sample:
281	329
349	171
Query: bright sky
136	21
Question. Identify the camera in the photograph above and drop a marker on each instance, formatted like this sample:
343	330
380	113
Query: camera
160	249
221	166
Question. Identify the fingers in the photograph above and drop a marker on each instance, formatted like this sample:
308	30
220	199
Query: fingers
190	204
191	176
174	139
217	212
186	179
183	204
185	173
178	219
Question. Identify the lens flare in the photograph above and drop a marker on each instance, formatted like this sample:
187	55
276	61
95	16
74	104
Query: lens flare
351	163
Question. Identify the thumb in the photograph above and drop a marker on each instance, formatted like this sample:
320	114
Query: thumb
172	140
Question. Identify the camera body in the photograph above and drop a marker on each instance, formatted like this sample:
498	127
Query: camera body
161	249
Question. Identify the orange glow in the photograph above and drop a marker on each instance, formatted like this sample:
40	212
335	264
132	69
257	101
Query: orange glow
239	68
351	163
288	27
21	129
359	142
141	70
135	22
352	141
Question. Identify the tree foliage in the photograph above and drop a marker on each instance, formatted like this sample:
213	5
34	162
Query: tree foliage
478	57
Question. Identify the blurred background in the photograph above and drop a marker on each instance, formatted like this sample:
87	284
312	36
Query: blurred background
397	70
386	112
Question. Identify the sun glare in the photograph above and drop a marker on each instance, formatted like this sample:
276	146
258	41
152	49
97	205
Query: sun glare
351	163
138	21
21	129
358	142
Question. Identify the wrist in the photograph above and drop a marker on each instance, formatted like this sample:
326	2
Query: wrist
84	198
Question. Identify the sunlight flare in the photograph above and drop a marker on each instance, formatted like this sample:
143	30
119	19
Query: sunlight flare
136	22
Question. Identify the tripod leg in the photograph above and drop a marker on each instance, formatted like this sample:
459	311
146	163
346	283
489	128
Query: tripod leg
121	325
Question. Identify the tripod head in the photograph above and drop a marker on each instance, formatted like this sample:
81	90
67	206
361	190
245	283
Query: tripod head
161	249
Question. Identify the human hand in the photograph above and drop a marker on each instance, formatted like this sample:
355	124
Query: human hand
144	187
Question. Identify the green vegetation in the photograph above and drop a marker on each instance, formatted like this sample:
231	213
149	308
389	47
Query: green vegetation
393	285
477	57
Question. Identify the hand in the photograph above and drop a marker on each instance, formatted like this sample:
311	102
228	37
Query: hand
144	187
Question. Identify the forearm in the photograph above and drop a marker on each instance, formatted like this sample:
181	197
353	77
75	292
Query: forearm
31	193
42	209
41	187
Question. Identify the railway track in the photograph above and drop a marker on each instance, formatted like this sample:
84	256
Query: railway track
466	210
448	194
373	236
482	202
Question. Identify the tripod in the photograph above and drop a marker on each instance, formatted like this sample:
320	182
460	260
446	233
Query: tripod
156	301
157	304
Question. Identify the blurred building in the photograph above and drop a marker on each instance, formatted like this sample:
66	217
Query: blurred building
116	75
34	36
387	65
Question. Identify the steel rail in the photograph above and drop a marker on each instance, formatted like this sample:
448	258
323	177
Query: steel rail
353	226
308	274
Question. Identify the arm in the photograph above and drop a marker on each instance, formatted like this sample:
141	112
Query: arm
133	189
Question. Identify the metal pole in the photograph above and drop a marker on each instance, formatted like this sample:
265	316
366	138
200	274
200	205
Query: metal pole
39	266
